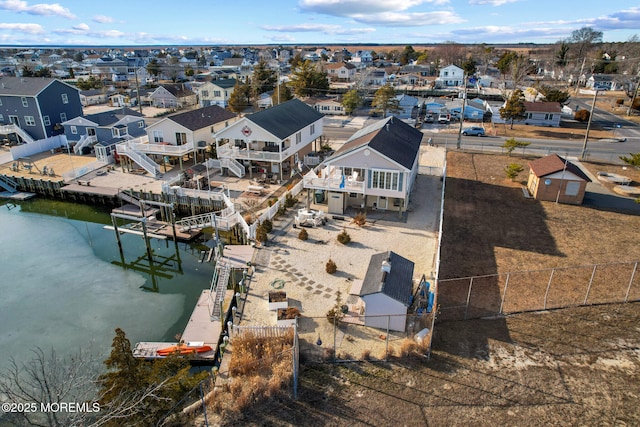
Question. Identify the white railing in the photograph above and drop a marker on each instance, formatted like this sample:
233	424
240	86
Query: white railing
8	184
312	160
85	140
311	180
234	166
142	160
163	149
231	152
6	129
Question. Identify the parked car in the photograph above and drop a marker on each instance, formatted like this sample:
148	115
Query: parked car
443	119
473	131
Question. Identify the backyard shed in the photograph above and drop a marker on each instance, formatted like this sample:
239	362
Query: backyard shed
553	178
386	291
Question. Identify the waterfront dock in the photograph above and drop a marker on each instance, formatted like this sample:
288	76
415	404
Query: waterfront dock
200	330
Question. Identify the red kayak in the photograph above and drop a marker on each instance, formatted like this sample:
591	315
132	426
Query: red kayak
183	349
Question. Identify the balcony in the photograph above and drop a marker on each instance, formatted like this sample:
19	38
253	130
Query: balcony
265	154
334	182
142	145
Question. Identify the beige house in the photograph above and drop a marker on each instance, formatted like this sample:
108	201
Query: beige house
553	178
216	92
340	71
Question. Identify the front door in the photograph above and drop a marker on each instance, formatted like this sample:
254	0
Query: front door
383	202
91	131
14	120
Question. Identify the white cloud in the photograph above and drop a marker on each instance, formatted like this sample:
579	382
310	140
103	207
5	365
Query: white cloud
491	2
382	12
19	6
322	28
350	7
103	19
81	27
409	19
25	28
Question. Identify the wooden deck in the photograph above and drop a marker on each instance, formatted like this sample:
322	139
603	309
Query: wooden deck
200	330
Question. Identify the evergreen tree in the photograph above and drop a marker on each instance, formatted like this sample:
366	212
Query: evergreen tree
307	80
351	101
281	94
264	79
384	100
514	108
240	98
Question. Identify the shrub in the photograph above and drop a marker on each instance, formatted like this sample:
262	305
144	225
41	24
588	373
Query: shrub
344	237
335	313
582	115
268	225
512	170
289	200
282	209
261	233
360	219
303	235
331	266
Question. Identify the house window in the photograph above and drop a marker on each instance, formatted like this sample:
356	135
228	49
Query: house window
353	195
65	98
0	102
312	129
216	94
46	120
548	116
1	118
529	116
205	93
140	125
29	121
63	117
385	180
115	132
25	102
157	136
572	188
74	130
298	137
181	138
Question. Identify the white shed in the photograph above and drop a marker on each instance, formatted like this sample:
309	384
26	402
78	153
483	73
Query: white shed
385	293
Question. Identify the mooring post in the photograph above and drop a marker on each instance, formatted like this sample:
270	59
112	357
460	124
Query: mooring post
115	227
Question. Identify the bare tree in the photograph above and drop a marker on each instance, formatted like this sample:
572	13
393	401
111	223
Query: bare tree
48	381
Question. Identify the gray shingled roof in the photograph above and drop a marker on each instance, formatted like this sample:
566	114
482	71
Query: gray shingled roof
224	83
107	118
23	86
202	117
390	137
285	119
397	284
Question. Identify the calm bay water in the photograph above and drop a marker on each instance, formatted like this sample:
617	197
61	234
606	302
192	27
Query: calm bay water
63	285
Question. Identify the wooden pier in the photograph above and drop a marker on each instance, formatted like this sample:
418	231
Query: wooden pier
200	330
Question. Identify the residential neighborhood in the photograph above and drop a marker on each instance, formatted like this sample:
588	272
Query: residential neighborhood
396	207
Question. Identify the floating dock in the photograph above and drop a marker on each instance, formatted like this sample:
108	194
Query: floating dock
200	330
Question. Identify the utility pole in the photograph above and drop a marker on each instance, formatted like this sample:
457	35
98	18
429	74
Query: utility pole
464	101
586	135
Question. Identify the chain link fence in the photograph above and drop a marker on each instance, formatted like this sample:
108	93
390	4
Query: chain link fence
480	296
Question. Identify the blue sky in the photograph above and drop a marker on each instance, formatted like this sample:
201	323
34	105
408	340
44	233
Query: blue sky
189	22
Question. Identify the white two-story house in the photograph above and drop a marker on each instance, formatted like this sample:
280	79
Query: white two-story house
451	75
271	142
216	92
375	169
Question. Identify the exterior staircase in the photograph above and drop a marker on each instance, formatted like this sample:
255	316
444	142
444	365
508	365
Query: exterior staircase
85	141
219	283
8	184
129	198
142	160
8	129
233	165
